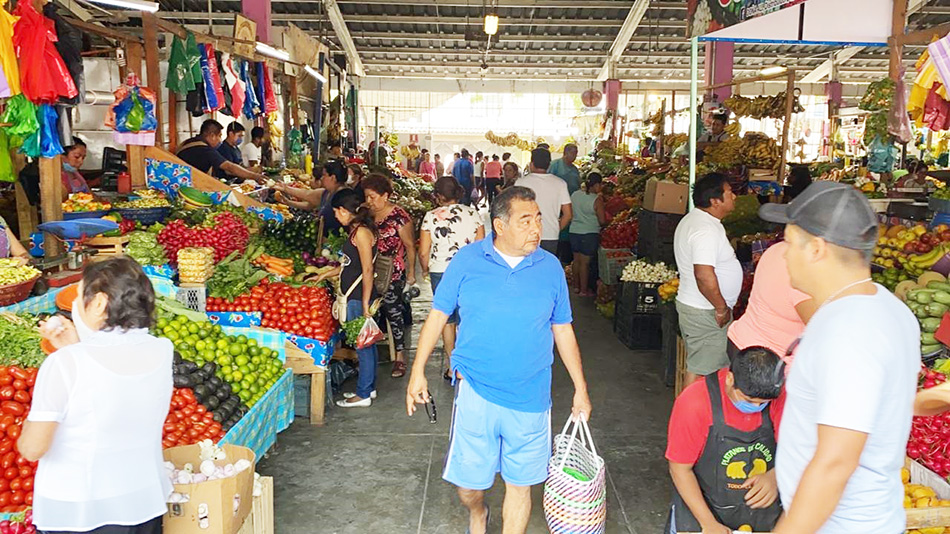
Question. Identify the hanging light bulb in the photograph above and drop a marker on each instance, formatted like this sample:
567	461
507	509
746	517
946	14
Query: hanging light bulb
491	24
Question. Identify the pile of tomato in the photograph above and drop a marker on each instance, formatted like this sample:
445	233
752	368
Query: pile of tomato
225	233
189	422
304	311
16	473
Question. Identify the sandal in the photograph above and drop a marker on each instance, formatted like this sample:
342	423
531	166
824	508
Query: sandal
447	376
399	369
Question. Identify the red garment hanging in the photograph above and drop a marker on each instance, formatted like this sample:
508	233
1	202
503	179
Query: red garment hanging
215	76
936	111
43	74
270	100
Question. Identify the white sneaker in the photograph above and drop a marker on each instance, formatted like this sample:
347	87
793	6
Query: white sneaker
349	396
365	403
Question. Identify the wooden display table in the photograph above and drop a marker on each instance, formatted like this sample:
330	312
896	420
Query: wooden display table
301	363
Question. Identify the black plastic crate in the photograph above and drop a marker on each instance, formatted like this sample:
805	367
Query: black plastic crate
639	297
639	331
657	226
656	251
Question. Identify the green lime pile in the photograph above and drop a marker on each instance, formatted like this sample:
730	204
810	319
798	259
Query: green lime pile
250	369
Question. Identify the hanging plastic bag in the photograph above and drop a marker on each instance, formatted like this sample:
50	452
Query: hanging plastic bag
21	113
49	132
43	73
936	110
270	100
880	156
898	121
180	79
7	174
133	110
135	115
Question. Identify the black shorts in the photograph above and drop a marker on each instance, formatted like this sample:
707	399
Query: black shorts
585	244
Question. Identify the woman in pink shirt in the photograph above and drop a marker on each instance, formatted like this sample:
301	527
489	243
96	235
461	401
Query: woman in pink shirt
492	177
777	313
427	167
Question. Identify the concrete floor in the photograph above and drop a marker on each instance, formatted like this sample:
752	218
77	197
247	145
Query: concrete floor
377	471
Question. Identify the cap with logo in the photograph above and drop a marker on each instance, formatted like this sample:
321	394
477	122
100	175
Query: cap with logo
835	212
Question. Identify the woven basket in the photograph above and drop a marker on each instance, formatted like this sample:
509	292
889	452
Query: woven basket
145	216
13	293
575	493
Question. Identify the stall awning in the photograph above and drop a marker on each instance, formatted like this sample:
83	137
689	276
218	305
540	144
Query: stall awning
811	22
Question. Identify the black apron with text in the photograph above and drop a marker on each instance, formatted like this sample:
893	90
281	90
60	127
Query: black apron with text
729	458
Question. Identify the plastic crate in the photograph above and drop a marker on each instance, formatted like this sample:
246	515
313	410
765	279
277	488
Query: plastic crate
639	297
657	227
655	251
638	331
610	263
193	297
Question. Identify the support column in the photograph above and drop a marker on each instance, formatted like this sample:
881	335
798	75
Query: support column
612	90
258	11
718	67
51	197
153	78
135	155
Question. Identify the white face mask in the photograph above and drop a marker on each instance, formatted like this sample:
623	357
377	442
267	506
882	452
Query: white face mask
82	329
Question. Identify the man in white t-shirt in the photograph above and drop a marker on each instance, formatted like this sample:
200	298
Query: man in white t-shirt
552	196
710	277
851	389
251	152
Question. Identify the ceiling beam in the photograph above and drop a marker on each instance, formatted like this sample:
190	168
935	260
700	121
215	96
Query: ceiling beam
630	25
343	34
427	21
543	4
843	55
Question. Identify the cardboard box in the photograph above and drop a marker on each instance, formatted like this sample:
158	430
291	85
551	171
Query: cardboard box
665	196
215	506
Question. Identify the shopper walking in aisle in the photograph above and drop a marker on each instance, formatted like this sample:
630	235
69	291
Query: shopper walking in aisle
354	177
710	277
445	230
552	197
427	167
100	400
844	441
333	178
512	296
356	284
588	209
510	174
478	189
493	172
397	239
564	169
451	165
721	447
464	172
439	167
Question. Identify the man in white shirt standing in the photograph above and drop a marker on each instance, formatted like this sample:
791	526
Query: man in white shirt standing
252	151
552	196
710	277
851	389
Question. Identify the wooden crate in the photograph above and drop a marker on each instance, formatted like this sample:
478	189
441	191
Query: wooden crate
301	363
261	518
680	366
108	247
936	516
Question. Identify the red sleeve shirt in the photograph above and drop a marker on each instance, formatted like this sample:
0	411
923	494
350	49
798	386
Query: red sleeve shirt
692	417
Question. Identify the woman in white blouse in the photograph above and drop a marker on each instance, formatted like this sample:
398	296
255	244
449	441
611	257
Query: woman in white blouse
99	404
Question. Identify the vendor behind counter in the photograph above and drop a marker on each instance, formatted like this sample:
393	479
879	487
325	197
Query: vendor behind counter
201	153
73	158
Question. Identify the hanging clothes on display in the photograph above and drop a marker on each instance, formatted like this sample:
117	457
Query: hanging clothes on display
196	101
216	81
8	60
210	95
270	100
69	46
43	75
180	80
236	87
20	113
259	90
223	84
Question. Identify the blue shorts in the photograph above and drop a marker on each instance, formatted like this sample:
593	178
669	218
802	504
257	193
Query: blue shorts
585	244
487	439
434	279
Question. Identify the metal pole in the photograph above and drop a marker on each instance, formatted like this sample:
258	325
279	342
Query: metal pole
376	150
693	96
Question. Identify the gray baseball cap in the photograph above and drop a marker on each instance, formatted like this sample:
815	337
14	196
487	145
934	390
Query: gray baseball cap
835	212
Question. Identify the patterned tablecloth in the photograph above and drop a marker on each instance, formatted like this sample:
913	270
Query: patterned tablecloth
45	303
259	427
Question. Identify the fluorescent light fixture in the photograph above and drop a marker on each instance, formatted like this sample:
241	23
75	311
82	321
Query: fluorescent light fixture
768	71
491	24
313	72
138	5
269	51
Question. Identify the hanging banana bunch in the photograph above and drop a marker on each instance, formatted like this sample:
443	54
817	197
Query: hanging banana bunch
762	107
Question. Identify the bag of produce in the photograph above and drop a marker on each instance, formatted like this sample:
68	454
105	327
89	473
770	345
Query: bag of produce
898	122
370	334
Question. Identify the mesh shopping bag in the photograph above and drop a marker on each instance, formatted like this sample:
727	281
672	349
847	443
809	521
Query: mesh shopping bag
575	493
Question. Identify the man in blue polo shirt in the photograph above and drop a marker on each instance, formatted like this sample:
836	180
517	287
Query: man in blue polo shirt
514	306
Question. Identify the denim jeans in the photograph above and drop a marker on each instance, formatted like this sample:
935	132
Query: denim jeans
366	382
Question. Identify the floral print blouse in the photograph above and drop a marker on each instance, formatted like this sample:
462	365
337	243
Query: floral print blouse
451	228
390	243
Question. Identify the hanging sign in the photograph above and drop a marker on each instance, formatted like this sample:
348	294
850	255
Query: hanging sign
707	16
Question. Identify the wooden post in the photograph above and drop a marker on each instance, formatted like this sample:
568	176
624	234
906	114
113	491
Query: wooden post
789	103
172	121
51	198
898	20
135	155
150	31
26	213
660	141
